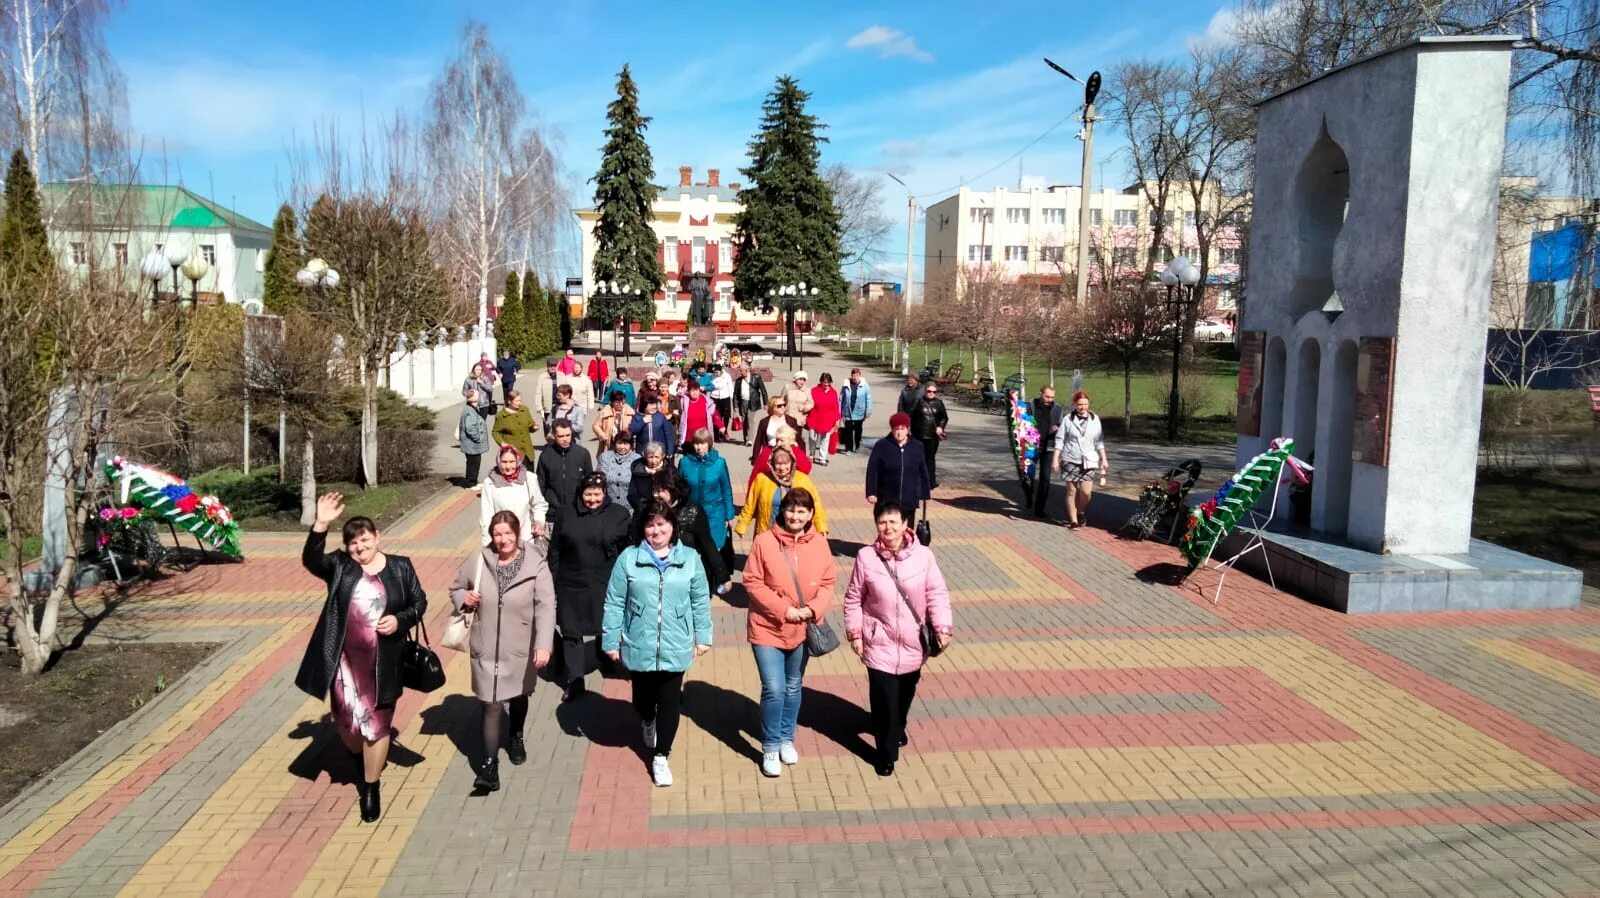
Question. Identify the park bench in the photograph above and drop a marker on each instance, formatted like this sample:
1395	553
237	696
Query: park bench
997	399
951	375
1594	401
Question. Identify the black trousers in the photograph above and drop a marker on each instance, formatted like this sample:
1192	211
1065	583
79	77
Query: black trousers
658	696
930	449
1041	486
725	409
850	435
579	657
474	466
891	696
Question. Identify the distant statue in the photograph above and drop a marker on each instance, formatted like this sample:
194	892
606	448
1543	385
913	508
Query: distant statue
701	304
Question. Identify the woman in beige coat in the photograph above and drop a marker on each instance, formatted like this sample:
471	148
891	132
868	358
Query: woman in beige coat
508	589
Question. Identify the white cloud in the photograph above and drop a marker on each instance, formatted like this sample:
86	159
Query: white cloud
889	42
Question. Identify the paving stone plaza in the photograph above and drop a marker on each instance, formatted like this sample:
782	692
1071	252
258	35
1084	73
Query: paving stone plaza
1092	732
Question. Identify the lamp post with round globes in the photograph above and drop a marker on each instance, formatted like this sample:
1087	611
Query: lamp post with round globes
316	275
194	269
791	298
177	252
1180	275
153	267
612	299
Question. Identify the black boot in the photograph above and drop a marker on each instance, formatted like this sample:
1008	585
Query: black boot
371	804
516	752
488	779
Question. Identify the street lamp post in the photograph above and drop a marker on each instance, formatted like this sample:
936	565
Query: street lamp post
1091	89
791	298
905	294
613	298
1182	275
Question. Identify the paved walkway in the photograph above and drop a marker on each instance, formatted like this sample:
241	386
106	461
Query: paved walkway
1091	733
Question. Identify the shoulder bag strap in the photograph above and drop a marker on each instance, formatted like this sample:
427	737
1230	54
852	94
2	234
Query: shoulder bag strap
799	591
895	579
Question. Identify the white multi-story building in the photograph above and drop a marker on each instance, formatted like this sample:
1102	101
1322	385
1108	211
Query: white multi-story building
127	221
693	224
1033	235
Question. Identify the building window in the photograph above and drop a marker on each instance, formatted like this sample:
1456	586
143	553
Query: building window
1017	215
1052	253
261	261
80	254
120	252
209	251
725	256
1094	217
670	260
1188	219
976	253
1230	255
1055	216
1016	254
1125	257
1126	217
980	215
1168	217
697	255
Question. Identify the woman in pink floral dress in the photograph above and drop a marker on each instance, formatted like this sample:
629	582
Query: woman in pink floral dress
353	657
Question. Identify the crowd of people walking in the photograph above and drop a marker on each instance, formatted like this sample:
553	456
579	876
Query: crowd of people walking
607	561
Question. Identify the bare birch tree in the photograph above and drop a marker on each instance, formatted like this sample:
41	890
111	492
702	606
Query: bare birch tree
862	222
494	182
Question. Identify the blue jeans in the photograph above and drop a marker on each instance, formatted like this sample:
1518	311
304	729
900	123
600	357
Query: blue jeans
781	670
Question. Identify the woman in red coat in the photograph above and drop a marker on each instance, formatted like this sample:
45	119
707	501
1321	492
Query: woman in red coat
823	420
782	435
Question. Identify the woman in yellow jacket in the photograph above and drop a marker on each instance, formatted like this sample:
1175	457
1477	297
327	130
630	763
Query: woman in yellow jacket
767	492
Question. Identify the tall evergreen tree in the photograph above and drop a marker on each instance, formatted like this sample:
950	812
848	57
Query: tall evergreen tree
24	243
279	292
625	247
788	230
511	331
563	316
536	312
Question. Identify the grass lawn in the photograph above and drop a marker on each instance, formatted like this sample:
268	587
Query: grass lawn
30	547
1550	514
1106	388
384	504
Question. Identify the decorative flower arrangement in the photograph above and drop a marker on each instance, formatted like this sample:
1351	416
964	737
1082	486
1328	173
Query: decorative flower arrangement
115	520
1214	518
1024	440
158	493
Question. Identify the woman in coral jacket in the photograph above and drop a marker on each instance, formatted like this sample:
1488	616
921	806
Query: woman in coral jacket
896	585
790	577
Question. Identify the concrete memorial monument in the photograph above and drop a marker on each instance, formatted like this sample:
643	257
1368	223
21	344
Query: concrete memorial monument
1372	244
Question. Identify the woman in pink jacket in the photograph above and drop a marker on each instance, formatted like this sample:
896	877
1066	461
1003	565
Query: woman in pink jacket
896	585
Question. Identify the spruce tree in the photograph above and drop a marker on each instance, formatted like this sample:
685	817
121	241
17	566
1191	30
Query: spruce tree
625	246
24	243
563	315
279	292
788	230
511	325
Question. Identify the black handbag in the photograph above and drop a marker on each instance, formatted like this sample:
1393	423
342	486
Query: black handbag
926	635
820	638
924	529
419	666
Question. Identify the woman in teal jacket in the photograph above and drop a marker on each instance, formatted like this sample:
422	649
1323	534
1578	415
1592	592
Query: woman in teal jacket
657	619
706	473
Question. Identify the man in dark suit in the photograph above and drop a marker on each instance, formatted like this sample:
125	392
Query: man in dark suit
1047	417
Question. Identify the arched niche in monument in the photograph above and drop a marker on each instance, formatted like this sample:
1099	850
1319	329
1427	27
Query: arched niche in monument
1321	201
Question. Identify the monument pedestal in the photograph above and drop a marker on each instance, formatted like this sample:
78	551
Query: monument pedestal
701	336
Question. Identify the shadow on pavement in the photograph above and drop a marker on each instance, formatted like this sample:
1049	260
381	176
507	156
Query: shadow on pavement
734	719
324	752
840	720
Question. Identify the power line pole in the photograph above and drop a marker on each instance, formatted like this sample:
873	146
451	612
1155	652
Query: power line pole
905	292
1091	88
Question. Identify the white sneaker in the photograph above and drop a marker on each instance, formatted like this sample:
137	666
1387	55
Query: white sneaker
650	737
770	765
660	772
787	754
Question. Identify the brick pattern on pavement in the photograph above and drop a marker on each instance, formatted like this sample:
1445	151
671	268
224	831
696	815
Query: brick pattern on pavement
1093	731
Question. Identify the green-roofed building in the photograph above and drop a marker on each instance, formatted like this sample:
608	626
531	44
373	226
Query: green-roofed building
114	226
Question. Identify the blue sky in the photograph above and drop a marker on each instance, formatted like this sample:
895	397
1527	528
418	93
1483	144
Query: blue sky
940	93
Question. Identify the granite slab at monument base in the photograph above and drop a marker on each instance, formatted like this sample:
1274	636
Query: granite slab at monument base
702	336
1487	578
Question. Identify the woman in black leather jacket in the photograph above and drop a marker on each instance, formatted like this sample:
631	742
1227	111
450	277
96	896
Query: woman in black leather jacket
353	658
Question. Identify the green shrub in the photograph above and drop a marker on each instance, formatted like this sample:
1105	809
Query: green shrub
247	495
394	412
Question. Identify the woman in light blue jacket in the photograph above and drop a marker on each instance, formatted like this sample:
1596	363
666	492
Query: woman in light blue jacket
706	473
657	620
